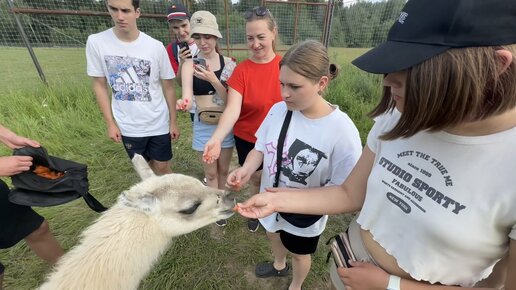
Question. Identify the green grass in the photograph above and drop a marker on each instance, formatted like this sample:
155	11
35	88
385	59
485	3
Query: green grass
65	119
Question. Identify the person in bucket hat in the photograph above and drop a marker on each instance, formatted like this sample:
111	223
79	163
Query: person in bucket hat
205	86
435	182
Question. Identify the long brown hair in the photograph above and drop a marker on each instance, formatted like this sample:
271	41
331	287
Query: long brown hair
458	85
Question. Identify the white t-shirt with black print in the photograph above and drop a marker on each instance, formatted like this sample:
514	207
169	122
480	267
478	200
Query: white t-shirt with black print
443	205
134	71
316	153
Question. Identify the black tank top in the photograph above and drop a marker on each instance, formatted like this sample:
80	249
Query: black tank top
202	87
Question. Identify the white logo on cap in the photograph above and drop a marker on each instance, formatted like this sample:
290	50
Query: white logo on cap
402	17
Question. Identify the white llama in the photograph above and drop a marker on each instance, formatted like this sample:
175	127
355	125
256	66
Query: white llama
120	248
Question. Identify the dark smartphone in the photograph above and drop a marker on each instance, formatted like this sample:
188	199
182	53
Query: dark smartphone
347	246
183	44
341	251
200	62
346	256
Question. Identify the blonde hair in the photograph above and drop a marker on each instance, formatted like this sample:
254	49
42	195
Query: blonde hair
456	86
310	59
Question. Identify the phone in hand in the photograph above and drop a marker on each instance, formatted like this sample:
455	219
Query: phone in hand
184	44
341	250
200	62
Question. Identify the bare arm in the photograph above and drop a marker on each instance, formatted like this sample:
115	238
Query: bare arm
240	176
230	115
187	70
11	140
368	276
170	97
226	123
100	89
11	165
346	198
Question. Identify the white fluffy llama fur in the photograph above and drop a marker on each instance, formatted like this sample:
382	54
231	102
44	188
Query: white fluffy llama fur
119	249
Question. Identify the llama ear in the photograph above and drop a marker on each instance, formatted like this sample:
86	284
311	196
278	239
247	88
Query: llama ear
142	167
147	202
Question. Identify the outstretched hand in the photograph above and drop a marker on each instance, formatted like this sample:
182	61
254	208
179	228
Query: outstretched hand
184	105
237	178
211	151
258	206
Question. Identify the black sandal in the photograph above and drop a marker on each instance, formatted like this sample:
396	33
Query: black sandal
266	269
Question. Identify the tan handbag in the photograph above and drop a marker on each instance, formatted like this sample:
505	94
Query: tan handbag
209	108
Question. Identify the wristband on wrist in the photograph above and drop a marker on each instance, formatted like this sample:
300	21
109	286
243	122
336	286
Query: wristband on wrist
394	283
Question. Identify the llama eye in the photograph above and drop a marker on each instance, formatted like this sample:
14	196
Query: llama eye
191	209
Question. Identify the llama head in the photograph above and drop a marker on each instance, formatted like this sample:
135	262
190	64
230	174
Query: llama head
179	203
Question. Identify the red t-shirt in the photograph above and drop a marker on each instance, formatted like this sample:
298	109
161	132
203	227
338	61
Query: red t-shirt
259	85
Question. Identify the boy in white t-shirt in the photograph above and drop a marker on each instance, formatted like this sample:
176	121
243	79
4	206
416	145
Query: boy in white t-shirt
136	67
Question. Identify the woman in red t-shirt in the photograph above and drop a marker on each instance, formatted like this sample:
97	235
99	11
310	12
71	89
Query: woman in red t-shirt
252	90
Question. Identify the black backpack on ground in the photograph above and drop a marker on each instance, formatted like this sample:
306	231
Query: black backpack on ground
31	189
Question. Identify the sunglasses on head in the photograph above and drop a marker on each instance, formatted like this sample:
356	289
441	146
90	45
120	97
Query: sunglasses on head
258	11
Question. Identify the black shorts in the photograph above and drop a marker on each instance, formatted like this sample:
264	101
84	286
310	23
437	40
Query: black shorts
16	221
299	245
157	148
243	148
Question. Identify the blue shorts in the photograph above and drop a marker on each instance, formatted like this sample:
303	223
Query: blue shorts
202	133
157	148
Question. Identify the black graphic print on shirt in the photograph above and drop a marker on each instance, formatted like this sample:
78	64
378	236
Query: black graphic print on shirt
129	78
300	161
413	177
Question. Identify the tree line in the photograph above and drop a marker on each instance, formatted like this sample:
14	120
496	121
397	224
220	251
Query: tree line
362	24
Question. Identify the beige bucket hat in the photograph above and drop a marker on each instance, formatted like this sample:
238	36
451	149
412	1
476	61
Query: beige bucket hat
203	22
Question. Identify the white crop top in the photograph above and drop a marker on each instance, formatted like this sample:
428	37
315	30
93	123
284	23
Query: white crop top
443	205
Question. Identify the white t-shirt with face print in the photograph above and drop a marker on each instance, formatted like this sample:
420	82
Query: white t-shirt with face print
316	153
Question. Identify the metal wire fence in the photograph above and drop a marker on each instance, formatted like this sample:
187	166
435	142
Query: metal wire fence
62	26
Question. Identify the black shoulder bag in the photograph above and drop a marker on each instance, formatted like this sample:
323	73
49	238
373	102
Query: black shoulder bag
296	219
51	181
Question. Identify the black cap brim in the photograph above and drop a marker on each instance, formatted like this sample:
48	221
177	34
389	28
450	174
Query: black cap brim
392	56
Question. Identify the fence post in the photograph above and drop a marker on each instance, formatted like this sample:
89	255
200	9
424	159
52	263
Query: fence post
226	12
329	21
27	43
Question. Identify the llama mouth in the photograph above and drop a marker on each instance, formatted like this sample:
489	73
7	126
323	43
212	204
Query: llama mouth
228	212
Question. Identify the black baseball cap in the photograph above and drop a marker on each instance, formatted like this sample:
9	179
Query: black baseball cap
426	28
177	11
